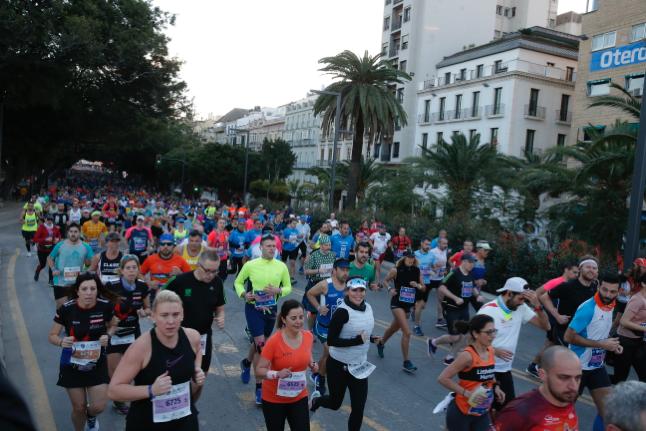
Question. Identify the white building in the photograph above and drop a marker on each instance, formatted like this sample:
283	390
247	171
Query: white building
303	133
417	34
515	92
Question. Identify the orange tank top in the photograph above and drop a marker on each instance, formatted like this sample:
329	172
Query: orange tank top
481	373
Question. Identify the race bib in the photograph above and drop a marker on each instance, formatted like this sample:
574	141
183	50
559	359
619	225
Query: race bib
174	405
596	358
291	387
264	299
105	279
467	289
85	352
361	371
407	294
116	340
70	273
203	343
139	243
327	269
426	271
292	239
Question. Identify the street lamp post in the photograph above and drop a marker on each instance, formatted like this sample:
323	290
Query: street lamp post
183	161
337	125
246	161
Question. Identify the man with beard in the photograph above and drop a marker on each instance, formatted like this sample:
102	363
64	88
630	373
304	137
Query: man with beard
163	265
509	312
588	335
360	266
551	406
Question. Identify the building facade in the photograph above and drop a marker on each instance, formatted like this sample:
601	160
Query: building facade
417	34
269	124
614	50
515	92
303	133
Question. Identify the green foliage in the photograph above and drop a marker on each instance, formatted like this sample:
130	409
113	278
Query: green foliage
277	191
277	158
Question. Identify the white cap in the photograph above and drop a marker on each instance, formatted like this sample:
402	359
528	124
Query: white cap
514	284
483	245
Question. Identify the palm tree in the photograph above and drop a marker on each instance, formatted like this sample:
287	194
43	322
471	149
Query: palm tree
323	176
370	172
368	103
626	102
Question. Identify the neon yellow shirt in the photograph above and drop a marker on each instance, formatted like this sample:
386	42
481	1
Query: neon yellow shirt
262	272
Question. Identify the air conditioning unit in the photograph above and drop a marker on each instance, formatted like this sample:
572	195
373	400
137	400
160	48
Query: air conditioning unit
637	92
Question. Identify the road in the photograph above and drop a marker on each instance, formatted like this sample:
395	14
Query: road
396	400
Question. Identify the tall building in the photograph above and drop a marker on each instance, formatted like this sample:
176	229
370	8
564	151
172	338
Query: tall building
515	92
614	50
418	34
268	124
303	133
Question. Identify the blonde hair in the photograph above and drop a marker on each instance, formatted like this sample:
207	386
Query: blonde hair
166	296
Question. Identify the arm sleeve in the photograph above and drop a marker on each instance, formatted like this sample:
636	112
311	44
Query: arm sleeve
582	317
128	233
285	282
238	284
184	266
340	318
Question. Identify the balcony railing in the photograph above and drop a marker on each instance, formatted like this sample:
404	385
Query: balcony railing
563	117
394	51
424	118
535	112
396	25
495	110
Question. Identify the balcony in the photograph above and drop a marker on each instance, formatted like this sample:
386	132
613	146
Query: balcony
534	112
495	111
304	165
424	118
563	117
394	51
397	25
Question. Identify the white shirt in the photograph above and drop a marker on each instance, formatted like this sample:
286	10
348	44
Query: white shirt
508	326
379	243
440	258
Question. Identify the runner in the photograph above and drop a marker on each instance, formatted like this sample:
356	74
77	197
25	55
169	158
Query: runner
467	247
348	336
75	213
551	406
133	303
438	272
407	281
218	239
330	292
88	320
442	234
282	366
290	247
268	280
29	221
510	311
588	334
47	235
61	219
180	232
303	229
400	243
106	263
379	242
476	386
479	271
203	302
165	366
192	249
626	407
163	265
237	247
66	261
632	333
94	231
318	267
360	266
343	242
110	213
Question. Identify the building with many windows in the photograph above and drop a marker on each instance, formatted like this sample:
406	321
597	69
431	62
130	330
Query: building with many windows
302	132
614	50
418	34
515	92
268	123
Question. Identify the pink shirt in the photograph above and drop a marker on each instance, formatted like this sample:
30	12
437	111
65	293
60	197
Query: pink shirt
636	304
553	283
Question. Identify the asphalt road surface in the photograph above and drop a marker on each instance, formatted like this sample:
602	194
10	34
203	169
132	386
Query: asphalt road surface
396	400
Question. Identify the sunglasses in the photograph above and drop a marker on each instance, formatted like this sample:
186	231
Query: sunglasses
166	244
208	271
356	289
490	332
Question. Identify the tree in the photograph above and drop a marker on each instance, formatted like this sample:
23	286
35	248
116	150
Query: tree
370	172
278	159
322	188
368	103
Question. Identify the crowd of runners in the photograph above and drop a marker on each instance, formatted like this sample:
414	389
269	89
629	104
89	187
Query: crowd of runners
114	257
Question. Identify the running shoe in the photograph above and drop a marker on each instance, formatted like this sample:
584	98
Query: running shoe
319	384
532	370
92	424
432	348
409	367
313	402
380	350
418	331
441	323
449	360
245	372
121	408
258	396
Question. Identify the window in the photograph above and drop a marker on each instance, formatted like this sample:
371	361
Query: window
560	140
475	104
447	78
493	136
400	95
329	154
388	2
635	83
565	106
440	137
395	150
405	41
529	141
639	32
533	102
604	40
599	87
322	154
472	134
458	105
498	67
497	96
402	65
513	12
479	70
376	152
407	14
590	131
569	73
427	110
550	64
384	49
463	74
442	108
455	134
499	10
424	140
507	11
386	23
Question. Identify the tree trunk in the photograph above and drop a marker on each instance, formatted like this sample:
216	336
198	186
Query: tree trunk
355	163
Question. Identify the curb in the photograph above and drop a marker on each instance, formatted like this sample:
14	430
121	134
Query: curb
3	368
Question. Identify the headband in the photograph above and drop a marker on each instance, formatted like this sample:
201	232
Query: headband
586	261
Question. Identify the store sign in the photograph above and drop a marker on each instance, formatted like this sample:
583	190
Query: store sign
626	55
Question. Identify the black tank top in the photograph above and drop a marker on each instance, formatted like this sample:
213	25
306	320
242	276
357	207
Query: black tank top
406	274
179	361
109	267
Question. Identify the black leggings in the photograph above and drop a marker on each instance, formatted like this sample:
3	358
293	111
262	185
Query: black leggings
236	265
42	264
458	421
222	271
634	355
28	237
297	415
338	380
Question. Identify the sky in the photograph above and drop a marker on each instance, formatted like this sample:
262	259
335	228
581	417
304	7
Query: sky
246	53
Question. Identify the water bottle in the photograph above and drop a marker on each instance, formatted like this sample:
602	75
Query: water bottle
66	356
478	393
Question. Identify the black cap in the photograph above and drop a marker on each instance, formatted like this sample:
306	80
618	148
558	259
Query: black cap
341	263
408	253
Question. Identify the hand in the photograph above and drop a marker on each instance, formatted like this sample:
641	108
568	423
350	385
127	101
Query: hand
175	271
162	384
619	350
375	286
505	355
143	312
272	290
459	301
365	337
314	366
478	399
481	299
285	372
500	395
103	339
393	292
414	284
249	296
531	297
610	344
219	320
199	376
67	342
562	320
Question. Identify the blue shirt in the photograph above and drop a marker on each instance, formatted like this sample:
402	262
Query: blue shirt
593	321
342	245
69	260
252	234
237	243
290	239
426	262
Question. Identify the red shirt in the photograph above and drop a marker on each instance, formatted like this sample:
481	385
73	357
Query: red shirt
160	269
220	242
553	283
532	412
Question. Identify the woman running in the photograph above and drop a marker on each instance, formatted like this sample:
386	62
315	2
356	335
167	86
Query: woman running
47	235
347	366
632	333
476	385
29	220
165	366
283	364
87	319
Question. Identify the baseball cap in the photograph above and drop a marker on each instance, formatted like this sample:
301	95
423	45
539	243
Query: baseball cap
514	284
167	237
96	213
356	282
483	245
140	217
408	253
324	239
469	256
341	263
113	236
